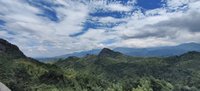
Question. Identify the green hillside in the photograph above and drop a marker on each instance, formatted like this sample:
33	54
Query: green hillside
107	71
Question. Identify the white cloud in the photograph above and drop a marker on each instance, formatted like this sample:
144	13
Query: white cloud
144	29
149	42
175	4
118	7
39	36
24	23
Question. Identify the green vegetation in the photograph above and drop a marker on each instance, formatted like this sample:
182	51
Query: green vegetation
108	71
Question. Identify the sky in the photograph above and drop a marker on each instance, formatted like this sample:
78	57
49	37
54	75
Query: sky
46	28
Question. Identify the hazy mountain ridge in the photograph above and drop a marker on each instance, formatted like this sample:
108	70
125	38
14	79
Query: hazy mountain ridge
107	71
161	51
142	52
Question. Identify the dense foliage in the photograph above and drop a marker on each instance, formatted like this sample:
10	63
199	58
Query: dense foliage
108	71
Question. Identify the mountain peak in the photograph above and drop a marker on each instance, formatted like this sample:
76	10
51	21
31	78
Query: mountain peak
105	52
191	44
10	49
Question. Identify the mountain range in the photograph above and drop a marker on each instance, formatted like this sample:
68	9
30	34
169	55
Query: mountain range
164	51
109	70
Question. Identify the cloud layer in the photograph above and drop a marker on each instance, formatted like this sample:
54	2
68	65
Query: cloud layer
55	27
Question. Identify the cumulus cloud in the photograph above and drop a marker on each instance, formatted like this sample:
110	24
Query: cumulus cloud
189	22
44	28
161	26
176	4
23	23
179	22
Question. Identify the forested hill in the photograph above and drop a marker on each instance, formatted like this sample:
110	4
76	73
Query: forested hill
10	49
107	71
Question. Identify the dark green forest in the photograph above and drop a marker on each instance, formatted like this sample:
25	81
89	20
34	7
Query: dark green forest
107	71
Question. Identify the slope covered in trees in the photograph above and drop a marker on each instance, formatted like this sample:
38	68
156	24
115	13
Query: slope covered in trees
107	71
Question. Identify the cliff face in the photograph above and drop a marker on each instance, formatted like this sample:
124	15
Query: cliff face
4	87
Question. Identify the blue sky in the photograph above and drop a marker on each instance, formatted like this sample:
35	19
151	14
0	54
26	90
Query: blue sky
45	28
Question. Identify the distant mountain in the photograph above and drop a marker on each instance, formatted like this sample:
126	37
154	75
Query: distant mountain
143	52
76	54
160	51
81	54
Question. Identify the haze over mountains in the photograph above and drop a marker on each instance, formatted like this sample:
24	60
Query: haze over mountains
145	52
